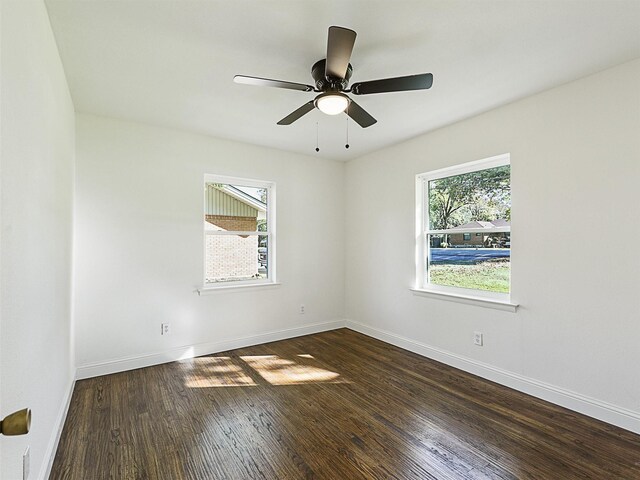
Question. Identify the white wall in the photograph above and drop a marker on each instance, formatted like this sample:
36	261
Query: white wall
575	168
139	245
37	151
575	162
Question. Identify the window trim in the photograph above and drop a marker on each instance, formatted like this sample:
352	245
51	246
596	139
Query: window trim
270	186
422	286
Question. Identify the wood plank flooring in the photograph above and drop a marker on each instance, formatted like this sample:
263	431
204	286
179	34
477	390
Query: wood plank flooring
335	405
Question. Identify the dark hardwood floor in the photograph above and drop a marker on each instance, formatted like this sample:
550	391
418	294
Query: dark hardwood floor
336	405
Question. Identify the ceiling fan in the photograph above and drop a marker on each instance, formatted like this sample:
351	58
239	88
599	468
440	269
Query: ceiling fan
332	76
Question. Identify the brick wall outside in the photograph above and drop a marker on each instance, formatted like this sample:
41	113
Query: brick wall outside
476	240
231	256
230	223
458	239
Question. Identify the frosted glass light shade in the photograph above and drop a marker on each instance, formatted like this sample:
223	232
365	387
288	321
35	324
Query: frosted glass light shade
332	103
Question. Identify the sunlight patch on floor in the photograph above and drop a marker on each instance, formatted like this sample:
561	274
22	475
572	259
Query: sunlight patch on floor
252	370
280	371
218	372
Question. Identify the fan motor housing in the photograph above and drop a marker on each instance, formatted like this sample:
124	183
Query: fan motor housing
326	83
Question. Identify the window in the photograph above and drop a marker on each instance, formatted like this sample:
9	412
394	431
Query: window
464	229
239	231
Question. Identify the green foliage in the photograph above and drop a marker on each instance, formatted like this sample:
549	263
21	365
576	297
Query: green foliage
492	276
482	195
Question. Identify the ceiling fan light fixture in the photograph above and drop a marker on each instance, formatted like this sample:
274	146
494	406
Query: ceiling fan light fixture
332	75
332	103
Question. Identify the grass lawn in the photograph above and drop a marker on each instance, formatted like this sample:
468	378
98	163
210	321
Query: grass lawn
492	275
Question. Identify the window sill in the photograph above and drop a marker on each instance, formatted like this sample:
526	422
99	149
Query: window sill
467	299
235	288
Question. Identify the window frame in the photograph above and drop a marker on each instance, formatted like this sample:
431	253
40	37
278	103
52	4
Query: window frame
423	247
270	233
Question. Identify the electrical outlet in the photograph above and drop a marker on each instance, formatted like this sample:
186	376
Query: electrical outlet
166	329
26	464
301	309
477	338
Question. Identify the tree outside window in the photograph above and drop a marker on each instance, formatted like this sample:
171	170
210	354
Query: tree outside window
466	226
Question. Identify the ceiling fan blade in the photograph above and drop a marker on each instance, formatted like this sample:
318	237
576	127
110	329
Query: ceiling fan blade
421	81
266	82
296	114
359	115
339	48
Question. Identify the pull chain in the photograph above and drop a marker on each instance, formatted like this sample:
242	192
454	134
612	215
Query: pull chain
317	136
347	144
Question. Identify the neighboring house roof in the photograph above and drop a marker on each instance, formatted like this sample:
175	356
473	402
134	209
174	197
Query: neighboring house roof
500	222
243	197
231	201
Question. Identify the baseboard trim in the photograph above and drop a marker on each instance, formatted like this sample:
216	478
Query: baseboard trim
52	447
592	407
196	350
598	409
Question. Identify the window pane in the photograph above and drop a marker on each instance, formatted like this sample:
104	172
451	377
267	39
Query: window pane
235	208
482	263
232	258
263	256
480	199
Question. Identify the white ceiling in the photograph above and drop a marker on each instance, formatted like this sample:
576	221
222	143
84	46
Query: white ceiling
171	63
